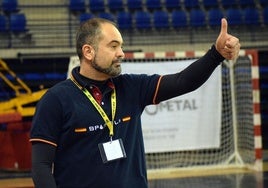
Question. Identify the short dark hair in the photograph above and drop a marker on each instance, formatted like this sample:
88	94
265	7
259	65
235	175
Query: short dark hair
89	32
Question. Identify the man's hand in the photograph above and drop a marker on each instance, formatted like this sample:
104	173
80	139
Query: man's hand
227	45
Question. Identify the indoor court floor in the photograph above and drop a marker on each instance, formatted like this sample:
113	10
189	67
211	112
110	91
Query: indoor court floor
218	179
236	180
257	180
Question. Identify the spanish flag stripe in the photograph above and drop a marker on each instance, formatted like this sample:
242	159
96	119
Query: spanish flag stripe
79	130
126	118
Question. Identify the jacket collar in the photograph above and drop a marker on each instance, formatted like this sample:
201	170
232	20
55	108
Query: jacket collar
87	83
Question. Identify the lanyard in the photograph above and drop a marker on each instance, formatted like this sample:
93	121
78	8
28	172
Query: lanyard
101	111
99	108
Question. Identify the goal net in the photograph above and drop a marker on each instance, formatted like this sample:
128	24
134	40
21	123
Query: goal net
240	137
240	127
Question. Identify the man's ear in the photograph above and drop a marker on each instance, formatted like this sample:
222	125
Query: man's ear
88	52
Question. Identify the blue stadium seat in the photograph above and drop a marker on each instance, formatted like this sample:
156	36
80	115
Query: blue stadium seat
33	76
211	4
134	5
247	3
3	23
107	16
55	76
179	19
124	20
77	5
214	17
229	3
172	4
265	15
85	16
190	4
263	3
4	95
197	18
160	19
251	16
152	5
143	20
10	6
96	6
115	5
234	16
18	23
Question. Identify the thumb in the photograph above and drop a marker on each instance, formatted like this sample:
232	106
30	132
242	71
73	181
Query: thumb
224	26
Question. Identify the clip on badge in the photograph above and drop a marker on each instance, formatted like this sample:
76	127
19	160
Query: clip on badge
112	150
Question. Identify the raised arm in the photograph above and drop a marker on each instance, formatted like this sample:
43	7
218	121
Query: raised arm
172	85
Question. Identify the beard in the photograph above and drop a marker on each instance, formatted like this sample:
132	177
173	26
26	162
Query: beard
113	70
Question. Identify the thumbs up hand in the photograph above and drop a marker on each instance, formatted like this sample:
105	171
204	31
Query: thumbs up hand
227	45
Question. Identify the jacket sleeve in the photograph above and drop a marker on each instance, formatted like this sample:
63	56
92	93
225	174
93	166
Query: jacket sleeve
190	78
42	160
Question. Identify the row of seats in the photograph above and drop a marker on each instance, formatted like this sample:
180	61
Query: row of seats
15	23
12	20
180	18
119	5
114	5
39	76
9	6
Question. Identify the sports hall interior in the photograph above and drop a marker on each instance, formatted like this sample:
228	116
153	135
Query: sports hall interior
37	39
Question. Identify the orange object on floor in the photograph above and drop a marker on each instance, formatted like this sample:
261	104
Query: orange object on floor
15	148
7	159
10	117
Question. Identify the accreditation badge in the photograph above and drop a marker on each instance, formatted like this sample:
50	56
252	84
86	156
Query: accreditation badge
112	150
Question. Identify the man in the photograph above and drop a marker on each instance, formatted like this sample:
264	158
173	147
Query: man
86	131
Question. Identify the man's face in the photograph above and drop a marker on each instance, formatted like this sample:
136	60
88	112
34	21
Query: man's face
109	54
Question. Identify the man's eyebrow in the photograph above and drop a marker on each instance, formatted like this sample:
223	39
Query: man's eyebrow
115	41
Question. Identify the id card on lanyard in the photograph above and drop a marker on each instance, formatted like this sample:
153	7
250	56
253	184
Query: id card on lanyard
114	149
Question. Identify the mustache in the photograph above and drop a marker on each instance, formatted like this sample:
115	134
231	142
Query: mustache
119	60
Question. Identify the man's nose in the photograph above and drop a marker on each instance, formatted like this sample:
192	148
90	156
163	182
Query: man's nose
121	53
